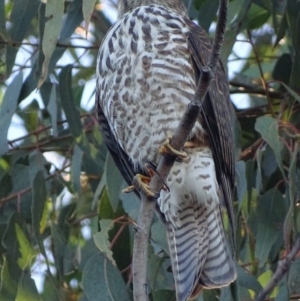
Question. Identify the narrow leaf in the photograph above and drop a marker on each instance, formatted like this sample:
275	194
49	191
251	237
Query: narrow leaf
114	181
22	13
241	181
18	246
54	13
270	213
292	92
9	287
52	109
59	247
268	128
76	168
67	101
247	280
294	278
39	198
27	289
7	109
26	250
87	9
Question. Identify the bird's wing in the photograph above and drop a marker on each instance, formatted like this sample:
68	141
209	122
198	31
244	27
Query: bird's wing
120	158
217	114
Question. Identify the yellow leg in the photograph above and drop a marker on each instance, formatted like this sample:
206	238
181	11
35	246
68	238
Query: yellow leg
167	149
143	183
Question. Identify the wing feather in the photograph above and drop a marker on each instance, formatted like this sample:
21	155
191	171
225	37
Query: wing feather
217	115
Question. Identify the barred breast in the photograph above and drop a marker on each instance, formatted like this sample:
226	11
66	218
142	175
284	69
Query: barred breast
146	80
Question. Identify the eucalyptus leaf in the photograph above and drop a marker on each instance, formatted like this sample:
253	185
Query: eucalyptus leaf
101	239
270	214
102	281
54	13
87	9
268	128
7	109
114	181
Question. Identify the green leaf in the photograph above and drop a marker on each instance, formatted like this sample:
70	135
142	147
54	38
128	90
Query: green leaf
54	13
268	128
76	168
284	293
98	192
101	239
87	9
158	276
22	13
2	19
270	212
292	92
7	108
27	289
114	181
241	181
71	21
294	278
283	26
256	17
52	109
264	279
39	198
18	246
247	280
101	280
26	250
164	295
67	101
59	245
9	287
158	234
207	13
282	69
130	202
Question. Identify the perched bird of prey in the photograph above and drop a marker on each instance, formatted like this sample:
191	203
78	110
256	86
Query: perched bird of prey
148	68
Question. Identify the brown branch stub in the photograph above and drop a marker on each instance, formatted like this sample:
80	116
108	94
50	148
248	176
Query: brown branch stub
140	254
282	268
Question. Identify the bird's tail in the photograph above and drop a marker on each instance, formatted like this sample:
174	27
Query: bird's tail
199	253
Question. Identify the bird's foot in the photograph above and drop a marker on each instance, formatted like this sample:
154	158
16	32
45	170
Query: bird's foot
166	149
151	171
141	183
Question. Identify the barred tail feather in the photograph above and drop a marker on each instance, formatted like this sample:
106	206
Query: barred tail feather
219	268
188	249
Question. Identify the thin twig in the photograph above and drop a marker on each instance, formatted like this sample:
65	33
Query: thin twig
266	88
140	255
19	193
249	151
282	268
61	45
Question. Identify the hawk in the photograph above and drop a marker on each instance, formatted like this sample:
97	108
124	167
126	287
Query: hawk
148	68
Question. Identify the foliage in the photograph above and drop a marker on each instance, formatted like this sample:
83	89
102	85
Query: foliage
63	217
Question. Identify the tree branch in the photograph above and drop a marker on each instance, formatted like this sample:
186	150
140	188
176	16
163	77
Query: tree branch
282	268
140	255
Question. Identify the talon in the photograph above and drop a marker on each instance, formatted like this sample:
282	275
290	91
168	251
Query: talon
128	189
167	149
141	182
151	170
